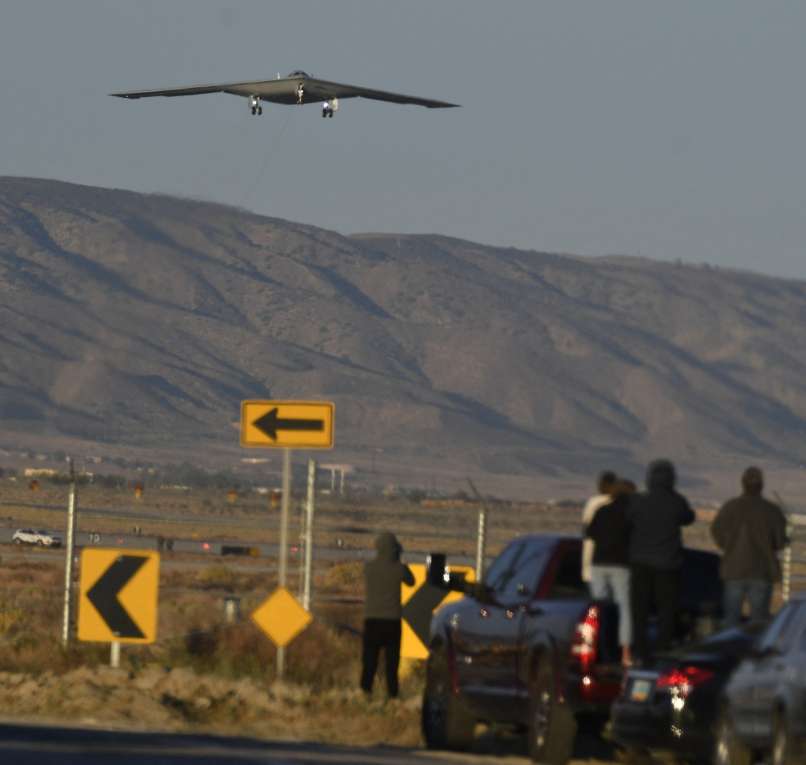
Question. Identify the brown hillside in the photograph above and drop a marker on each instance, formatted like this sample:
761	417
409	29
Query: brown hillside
144	320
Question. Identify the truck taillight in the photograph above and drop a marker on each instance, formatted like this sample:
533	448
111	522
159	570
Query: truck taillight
586	639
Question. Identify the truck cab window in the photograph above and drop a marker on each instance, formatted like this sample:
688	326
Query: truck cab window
531	564
568	576
503	568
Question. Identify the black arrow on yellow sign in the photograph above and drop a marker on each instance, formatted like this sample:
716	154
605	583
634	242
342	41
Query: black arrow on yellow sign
104	596
420	607
271	422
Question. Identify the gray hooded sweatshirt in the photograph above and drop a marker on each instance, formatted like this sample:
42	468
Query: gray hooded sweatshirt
383	576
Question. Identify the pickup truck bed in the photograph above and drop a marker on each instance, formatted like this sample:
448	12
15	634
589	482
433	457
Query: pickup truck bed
531	648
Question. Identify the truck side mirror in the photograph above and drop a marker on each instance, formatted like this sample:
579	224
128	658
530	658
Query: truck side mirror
436	572
437	575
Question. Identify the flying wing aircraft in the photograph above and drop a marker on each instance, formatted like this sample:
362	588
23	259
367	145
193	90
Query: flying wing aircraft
297	88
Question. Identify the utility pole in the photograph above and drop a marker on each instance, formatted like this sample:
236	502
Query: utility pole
786	558
309	510
68	560
481	536
283	564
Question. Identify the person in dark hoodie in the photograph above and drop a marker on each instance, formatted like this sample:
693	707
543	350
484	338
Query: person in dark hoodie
656	555
382	579
750	531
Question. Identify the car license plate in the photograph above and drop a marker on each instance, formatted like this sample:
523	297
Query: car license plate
640	690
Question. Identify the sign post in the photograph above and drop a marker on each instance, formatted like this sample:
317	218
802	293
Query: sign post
309	509
283	564
68	560
287	425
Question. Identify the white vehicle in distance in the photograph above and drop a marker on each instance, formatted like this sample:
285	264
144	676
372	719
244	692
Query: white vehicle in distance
32	537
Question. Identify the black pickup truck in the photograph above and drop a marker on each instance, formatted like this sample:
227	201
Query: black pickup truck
528	646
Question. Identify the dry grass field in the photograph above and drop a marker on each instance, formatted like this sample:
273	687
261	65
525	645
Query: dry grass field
203	673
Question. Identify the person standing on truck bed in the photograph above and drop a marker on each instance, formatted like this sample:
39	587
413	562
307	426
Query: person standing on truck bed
607	480
610	573
383	576
750	531
656	555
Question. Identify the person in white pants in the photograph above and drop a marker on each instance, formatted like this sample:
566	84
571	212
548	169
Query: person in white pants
607	480
609	531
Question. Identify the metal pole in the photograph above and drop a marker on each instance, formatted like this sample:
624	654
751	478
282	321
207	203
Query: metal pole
68	560
481	539
284	544
786	561
114	655
341	484
309	510
481	543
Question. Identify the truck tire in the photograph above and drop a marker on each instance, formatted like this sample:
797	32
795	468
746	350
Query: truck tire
781	742
552	726
446	721
728	750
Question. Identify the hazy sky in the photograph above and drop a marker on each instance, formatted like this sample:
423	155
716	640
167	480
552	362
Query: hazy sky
665	129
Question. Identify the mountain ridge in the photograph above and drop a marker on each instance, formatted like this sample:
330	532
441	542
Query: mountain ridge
144	319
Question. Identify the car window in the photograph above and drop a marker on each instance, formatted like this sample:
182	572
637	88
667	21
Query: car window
780	633
530	565
503	567
793	634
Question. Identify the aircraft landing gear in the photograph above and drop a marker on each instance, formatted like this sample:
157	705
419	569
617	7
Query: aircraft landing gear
329	107
254	104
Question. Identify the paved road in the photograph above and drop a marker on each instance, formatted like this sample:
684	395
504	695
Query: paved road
270	551
47	745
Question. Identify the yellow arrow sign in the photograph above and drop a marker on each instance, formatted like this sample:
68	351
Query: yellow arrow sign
411	646
118	595
289	424
281	617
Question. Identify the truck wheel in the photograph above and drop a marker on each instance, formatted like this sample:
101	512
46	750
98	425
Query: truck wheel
781	743
552	726
446	722
728	750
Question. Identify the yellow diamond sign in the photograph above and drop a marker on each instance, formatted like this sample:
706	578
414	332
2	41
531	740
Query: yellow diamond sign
281	617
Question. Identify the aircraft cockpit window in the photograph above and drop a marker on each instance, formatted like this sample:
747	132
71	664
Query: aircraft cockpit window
299	73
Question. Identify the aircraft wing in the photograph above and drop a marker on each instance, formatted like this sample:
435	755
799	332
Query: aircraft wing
322	90
239	88
285	90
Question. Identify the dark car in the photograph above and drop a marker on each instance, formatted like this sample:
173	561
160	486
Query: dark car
764	704
531	649
674	707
